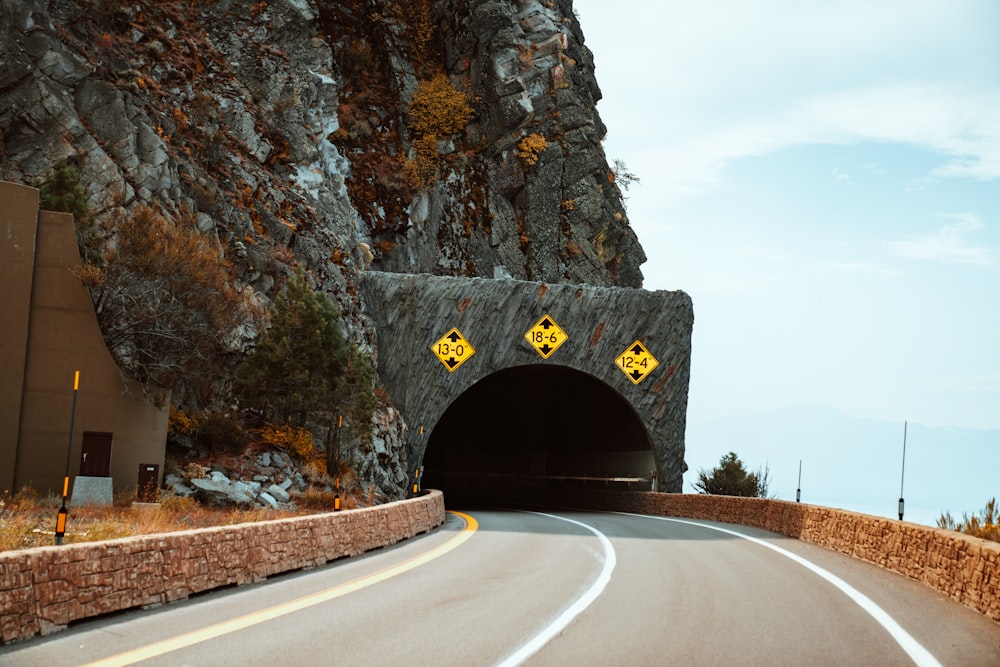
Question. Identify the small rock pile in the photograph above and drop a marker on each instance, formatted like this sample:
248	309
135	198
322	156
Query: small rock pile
272	480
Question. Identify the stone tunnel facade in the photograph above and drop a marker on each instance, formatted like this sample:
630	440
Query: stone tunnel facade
600	327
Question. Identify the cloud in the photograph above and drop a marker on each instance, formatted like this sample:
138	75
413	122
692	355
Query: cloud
857	268
961	127
949	243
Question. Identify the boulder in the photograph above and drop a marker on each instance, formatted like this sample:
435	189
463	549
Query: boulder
278	493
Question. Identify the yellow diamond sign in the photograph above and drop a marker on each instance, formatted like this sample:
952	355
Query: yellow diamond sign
636	362
453	349
546	336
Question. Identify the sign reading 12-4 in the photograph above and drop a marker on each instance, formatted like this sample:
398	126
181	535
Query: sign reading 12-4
545	336
453	349
636	362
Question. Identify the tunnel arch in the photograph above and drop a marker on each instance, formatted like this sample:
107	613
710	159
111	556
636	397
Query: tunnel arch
601	326
537	426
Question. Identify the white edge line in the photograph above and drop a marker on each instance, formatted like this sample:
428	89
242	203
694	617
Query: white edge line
921	656
566	617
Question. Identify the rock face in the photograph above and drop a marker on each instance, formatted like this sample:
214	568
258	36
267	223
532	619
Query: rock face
283	129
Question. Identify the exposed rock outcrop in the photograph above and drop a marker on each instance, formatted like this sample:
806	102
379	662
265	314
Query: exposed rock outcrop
282	128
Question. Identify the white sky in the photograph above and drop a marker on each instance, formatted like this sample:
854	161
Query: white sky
823	178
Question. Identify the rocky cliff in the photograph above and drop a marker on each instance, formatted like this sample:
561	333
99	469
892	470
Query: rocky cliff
289	129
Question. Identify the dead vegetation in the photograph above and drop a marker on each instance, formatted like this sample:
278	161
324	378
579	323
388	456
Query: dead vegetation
28	519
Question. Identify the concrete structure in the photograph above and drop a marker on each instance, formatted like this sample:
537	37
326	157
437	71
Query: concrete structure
530	414
48	331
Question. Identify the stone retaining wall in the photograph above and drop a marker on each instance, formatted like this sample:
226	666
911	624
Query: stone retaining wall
966	569
44	589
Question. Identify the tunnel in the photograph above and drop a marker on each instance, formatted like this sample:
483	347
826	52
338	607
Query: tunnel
507	412
521	434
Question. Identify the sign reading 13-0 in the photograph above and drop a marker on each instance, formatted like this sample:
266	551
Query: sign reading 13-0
453	349
636	362
545	336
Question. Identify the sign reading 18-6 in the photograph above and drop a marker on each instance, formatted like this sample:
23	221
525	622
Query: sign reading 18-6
453	349
546	336
636	362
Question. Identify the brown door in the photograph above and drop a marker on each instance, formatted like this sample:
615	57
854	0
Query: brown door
95	456
149	474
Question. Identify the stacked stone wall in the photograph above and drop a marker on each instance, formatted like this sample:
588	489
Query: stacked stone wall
44	589
965	568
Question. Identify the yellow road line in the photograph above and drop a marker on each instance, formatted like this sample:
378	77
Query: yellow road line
271	613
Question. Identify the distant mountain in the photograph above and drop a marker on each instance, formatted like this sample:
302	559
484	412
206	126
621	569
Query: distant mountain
856	464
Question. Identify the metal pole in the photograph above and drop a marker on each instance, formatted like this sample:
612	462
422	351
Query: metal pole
902	474
417	469
61	516
798	491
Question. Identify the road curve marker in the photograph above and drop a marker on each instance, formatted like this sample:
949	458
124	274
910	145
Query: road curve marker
285	608
920	656
559	623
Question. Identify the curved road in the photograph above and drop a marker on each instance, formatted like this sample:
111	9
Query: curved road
509	588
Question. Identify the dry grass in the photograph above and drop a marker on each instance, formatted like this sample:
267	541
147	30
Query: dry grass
28	520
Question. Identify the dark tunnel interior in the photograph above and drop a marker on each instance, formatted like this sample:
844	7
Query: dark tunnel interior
531	428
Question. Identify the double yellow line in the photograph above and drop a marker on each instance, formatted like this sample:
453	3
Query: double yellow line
271	613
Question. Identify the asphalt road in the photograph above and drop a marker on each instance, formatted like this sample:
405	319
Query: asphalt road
509	588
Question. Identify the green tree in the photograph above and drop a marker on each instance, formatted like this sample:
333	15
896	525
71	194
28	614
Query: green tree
731	478
298	363
60	190
356	402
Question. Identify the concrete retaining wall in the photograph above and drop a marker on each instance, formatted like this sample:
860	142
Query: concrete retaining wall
966	569
44	589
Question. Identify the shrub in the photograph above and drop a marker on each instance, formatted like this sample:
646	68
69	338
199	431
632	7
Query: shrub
166	304
530	148
221	433
179	423
438	109
731	478
985	525
294	439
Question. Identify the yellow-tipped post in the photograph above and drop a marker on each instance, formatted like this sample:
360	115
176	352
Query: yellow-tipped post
336	497
63	512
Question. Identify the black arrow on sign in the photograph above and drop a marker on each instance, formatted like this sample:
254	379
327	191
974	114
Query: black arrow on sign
451	363
546	323
545	349
637	350
635	375
454	337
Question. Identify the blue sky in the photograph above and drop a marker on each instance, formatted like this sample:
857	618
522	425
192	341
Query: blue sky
824	179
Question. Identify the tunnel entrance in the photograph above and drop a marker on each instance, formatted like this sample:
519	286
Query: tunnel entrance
530	428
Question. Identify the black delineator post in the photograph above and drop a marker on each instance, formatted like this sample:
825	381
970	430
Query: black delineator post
416	471
798	491
61	517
